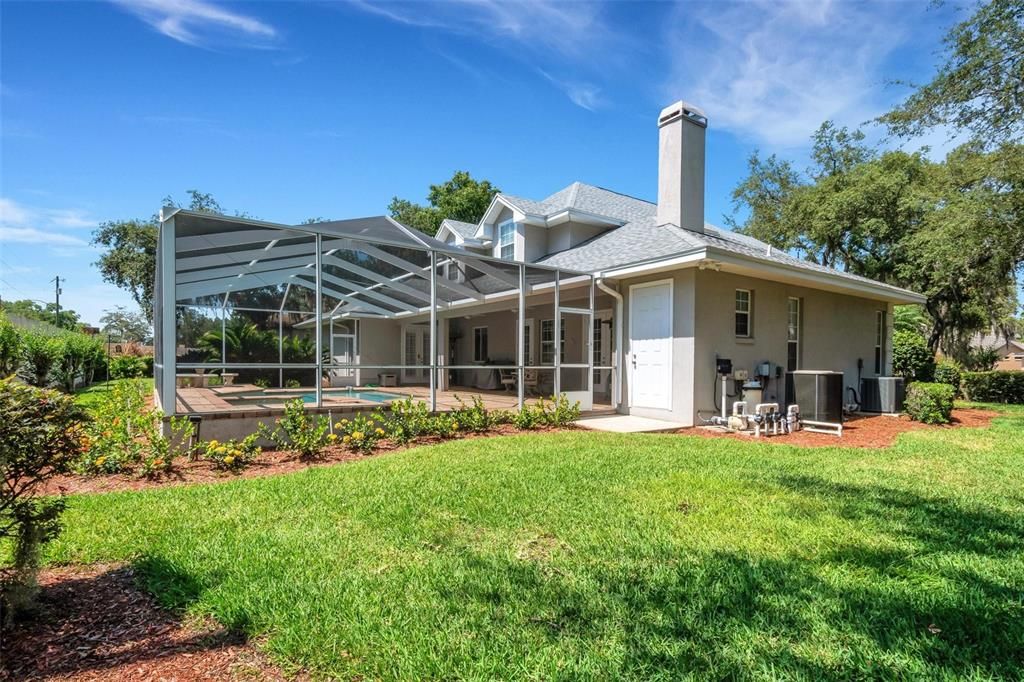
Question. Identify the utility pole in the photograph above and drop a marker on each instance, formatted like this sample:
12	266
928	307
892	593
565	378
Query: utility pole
56	288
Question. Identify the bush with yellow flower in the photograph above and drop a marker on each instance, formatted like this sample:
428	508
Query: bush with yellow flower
361	433
233	454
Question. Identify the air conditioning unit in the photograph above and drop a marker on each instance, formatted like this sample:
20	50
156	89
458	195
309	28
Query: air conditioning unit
819	393
882	394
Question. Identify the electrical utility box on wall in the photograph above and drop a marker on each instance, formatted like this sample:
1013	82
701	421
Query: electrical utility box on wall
882	394
819	393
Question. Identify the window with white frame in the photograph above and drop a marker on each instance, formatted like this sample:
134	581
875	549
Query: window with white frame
547	342
744	306
479	344
507	240
793	334
879	341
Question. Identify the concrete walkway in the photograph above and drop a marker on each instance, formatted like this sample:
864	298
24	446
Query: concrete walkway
626	423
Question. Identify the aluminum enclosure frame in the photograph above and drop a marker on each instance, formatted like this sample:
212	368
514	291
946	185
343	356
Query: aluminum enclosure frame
210	257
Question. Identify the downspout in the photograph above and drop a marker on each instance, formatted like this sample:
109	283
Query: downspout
617	357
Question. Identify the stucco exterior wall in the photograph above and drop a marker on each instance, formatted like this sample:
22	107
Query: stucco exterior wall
836	330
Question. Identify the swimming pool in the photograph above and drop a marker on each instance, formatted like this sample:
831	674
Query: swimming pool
279	398
364	394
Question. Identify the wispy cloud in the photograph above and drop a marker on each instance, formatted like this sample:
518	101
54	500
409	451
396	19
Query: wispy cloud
565	27
774	71
44	226
30	235
549	34
200	23
582	94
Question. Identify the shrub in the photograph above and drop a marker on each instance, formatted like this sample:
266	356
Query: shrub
40	436
234	454
126	433
293	383
407	420
361	433
557	412
475	417
948	372
40	353
77	352
560	412
444	425
994	387
525	418
929	403
911	358
262	382
127	367
10	347
299	432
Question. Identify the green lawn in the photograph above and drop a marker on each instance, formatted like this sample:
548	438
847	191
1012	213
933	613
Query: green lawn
92	395
603	556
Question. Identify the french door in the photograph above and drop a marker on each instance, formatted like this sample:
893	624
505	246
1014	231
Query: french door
416	354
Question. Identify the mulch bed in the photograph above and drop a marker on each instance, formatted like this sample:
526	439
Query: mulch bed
269	463
861	431
94	623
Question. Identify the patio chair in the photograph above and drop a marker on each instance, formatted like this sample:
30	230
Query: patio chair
530	381
508	379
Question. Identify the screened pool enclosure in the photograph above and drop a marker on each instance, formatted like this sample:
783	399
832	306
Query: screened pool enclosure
249	315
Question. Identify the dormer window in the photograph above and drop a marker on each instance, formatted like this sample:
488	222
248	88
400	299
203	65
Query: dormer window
507	240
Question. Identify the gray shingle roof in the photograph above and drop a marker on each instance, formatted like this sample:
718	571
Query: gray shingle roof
588	198
645	240
991	341
466	230
640	239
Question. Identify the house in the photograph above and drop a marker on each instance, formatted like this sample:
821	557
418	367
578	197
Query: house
691	292
611	299
1008	350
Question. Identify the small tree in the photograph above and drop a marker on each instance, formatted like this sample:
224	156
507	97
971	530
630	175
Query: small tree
40	353
10	347
77	351
40	435
911	358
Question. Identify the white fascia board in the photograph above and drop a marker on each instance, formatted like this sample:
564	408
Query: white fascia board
579	216
768	270
682	260
775	271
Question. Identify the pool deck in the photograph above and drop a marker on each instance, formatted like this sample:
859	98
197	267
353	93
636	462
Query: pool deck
216	399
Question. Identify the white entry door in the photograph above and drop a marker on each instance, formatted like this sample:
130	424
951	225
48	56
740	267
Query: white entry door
415	354
650	345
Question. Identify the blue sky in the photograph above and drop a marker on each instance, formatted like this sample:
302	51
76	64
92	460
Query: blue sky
294	110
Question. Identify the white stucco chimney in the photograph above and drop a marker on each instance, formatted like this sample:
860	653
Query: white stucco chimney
681	129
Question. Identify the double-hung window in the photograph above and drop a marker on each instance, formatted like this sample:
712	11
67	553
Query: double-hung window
479	344
507	240
547	342
793	334
744	306
879	342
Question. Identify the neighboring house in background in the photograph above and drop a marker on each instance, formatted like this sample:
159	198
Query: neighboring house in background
691	292
1009	350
